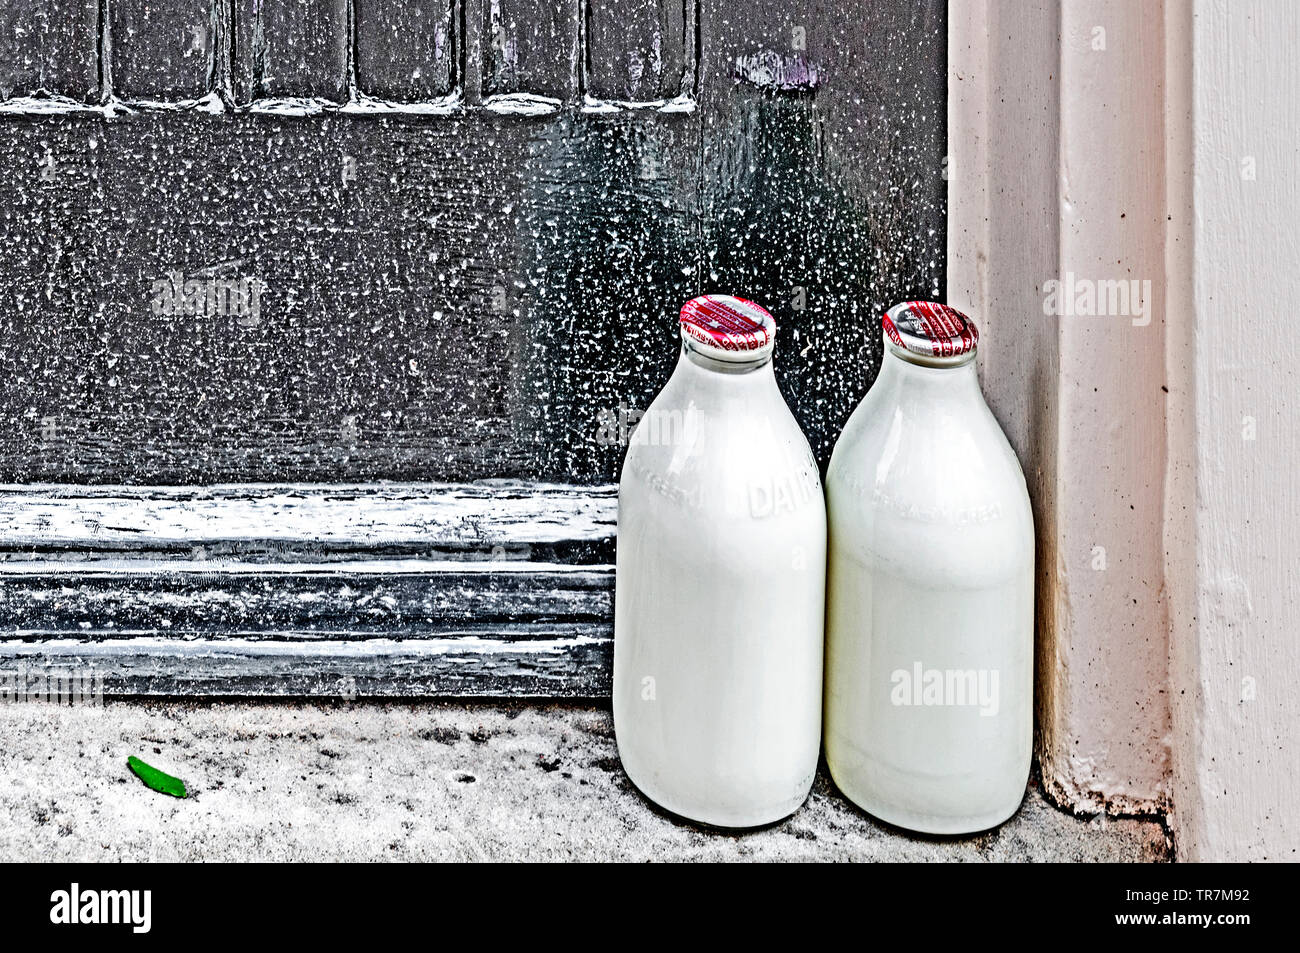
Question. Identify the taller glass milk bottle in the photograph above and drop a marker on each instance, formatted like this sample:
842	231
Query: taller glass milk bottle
720	594
930	612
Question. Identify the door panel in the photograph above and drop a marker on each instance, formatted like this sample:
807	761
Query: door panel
308	242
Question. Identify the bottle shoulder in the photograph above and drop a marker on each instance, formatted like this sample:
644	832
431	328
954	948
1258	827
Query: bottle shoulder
908	469
689	426
888	434
698	459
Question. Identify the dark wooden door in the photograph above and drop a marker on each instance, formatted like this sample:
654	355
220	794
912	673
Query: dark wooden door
324	320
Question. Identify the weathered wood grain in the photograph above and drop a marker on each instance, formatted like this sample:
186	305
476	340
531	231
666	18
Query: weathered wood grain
164	50
50	47
380	517
530	47
407	50
345	599
639	51
492	588
564	666
290	49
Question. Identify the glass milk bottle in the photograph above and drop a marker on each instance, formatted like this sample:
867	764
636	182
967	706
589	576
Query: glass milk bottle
930	606
720	595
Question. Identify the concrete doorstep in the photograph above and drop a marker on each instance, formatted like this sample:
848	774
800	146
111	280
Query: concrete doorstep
424	782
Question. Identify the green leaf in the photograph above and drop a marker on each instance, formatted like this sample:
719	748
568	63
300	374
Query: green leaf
155	779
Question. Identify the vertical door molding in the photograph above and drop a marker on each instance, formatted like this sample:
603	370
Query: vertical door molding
1233	508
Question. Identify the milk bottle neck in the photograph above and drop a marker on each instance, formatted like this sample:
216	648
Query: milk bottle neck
725	379
907	381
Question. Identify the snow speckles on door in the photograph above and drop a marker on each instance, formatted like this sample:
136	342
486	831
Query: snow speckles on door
368	261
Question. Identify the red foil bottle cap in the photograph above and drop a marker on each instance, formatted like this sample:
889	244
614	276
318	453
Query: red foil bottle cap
932	331
728	328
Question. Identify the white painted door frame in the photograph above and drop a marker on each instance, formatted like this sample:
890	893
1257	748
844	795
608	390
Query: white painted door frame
1123	200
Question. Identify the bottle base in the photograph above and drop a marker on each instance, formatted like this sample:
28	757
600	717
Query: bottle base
938	825
723	818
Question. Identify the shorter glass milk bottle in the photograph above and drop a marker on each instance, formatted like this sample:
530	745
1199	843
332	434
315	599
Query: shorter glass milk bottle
930	603
720	592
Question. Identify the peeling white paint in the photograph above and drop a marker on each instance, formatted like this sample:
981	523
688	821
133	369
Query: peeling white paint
380	513
54	106
521	104
211	103
363	105
98	568
678	104
235	647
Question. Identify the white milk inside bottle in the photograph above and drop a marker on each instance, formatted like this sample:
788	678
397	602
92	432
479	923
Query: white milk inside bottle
930	613
720	594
